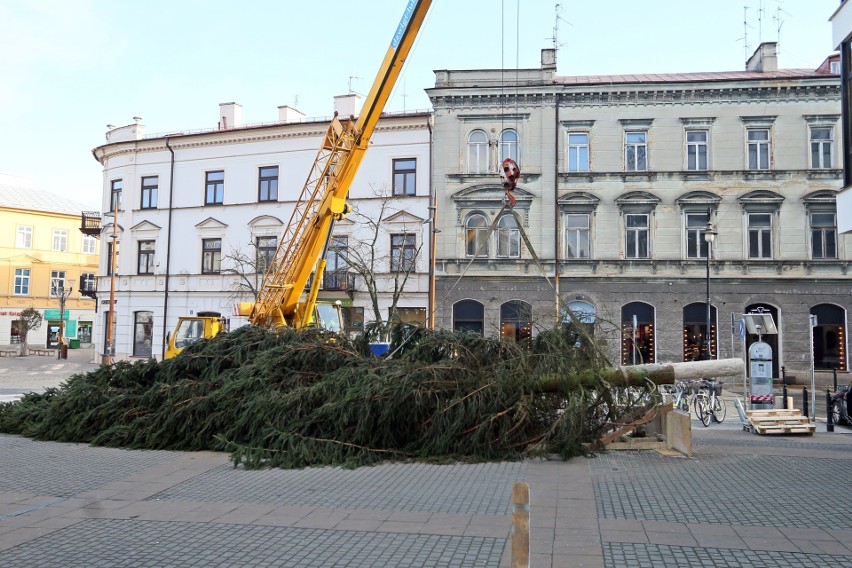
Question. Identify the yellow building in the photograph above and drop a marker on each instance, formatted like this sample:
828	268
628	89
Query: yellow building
44	256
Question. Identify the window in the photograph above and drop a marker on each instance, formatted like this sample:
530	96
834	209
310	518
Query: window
578	152
115	195
215	188
336	276
150	185
57	283
267	184
508	237
22	282
89	245
821	148
636	151
211	258
696	226
823	235
476	231
24	238
403	252
696	150
146	258
469	315
143	333
404	176
353	319
509	145
60	240
637	236
109	257
515	321
414	316
577	235
477	152
266	247
758	149
695	332
760	235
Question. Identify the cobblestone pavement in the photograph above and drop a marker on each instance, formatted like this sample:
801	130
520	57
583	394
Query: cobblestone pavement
35	373
742	500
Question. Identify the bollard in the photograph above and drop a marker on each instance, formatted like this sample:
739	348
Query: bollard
829	421
784	390
805	402
521	525
835	379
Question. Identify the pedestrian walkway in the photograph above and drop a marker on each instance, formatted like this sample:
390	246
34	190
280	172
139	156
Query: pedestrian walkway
35	373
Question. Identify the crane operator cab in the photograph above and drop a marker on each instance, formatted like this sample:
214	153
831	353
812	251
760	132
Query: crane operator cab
190	329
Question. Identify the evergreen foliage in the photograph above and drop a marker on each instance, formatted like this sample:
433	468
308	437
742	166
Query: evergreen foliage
293	399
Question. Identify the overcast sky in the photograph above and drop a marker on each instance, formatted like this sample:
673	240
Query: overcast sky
70	67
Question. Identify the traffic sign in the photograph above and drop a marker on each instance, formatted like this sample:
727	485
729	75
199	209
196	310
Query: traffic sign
741	327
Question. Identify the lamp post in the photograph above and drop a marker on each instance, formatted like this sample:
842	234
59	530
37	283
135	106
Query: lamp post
709	237
62	293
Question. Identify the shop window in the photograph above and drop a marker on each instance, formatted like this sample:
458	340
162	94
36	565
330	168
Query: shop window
829	337
469	315
695	332
143	333
637	334
515	321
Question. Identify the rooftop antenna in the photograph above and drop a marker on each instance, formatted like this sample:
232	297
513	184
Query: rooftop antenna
760	12
746	46
779	22
557	18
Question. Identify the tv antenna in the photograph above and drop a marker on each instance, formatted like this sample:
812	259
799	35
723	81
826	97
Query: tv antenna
557	18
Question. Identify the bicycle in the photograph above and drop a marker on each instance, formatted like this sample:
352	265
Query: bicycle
708	402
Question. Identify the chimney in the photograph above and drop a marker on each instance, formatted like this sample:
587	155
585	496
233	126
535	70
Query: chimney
548	59
230	115
347	105
289	114
764	58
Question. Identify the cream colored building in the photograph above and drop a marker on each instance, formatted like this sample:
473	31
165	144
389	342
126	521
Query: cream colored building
618	176
42	253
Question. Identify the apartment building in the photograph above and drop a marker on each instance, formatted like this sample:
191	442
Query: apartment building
623	178
43	256
198	216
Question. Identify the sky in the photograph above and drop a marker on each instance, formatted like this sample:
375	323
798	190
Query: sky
70	67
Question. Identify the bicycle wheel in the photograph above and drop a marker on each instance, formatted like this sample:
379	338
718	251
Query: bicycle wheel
718	409
701	409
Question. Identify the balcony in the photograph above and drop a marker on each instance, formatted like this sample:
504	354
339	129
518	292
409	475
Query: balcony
89	286
340	280
90	225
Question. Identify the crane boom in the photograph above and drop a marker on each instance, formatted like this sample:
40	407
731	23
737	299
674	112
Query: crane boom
301	249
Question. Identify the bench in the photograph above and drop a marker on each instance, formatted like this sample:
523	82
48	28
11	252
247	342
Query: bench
8	352
41	351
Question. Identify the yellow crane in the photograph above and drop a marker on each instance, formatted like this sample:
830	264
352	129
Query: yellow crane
301	250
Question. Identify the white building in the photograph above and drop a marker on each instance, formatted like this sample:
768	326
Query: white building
191	206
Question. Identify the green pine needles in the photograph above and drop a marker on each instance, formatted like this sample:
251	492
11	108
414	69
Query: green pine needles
295	399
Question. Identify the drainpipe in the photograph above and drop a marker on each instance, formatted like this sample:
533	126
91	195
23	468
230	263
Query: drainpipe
556	231
168	246
433	208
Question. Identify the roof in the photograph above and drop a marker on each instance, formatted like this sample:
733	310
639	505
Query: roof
689	77
17	197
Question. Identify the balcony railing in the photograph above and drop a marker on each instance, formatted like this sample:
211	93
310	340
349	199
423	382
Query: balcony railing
90	224
89	286
338	281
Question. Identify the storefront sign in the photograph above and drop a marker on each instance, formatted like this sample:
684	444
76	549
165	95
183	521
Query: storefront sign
54	314
10	313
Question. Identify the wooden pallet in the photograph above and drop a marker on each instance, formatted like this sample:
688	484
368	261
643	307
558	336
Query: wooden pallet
779	421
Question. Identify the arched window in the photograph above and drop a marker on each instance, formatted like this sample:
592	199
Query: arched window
509	145
476	232
477	152
515	321
695	332
637	334
508	237
829	337
579	311
469	315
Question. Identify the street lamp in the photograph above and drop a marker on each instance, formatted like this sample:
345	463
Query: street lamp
62	293
709	236
110	331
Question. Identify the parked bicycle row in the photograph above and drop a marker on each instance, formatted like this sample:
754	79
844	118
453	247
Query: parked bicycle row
703	396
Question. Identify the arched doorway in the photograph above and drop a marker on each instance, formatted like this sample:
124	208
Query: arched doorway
515	321
695	332
829	337
637	334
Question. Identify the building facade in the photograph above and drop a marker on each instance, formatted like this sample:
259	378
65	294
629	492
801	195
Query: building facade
199	216
43	256
622	179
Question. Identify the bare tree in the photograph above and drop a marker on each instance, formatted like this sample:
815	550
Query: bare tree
248	266
31	319
383	270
